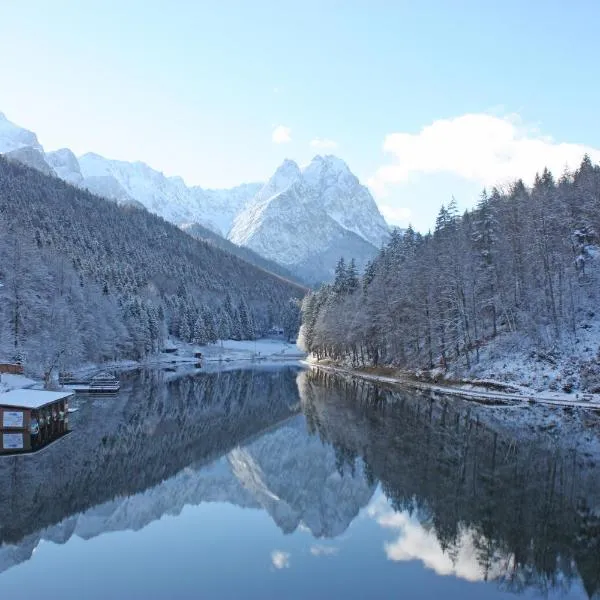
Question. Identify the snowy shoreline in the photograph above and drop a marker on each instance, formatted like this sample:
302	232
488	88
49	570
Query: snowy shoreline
474	389
228	354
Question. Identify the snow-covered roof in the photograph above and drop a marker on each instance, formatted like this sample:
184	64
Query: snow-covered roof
31	398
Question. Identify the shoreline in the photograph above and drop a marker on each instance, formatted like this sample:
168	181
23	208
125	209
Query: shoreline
263	352
474	389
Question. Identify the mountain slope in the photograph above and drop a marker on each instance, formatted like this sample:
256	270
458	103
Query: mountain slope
345	200
65	165
218	208
13	137
30	156
207	235
168	197
128	257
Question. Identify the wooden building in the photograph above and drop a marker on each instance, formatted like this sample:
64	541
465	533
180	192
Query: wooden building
31	419
11	368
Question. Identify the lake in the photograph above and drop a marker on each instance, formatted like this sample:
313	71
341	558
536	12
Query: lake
291	483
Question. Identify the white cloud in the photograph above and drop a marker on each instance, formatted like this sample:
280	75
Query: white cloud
481	148
416	542
321	550
395	214
323	144
280	560
281	135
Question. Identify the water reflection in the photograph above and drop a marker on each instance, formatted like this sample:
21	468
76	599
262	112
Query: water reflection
321	455
464	498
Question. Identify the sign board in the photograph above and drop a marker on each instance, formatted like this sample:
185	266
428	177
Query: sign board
12	441
12	419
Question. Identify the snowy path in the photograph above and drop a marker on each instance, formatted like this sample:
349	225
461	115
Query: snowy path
557	399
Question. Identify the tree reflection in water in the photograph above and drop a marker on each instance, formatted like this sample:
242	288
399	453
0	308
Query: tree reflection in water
522	510
452	487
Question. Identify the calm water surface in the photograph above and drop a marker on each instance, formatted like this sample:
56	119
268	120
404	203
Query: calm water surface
284	483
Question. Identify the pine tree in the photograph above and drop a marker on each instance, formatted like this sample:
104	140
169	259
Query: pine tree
352	277
224	326
236	327
199	333
184	332
209	325
246	325
340	284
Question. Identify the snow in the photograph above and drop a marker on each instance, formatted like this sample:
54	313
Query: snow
31	398
226	354
559	369
168	197
14	382
66	166
306	219
263	349
13	137
130	182
475	389
325	183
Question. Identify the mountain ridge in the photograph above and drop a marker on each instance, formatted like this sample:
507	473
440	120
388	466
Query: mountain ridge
332	213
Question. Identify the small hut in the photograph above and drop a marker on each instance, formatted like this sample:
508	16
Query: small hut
31	419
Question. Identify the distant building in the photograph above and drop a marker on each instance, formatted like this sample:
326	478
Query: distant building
11	368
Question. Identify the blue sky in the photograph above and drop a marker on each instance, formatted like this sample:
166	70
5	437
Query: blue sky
423	100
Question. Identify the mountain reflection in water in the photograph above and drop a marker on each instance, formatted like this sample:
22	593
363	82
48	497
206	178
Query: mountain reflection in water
372	476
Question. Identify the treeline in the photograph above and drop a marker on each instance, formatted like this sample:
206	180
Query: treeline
518	262
82	279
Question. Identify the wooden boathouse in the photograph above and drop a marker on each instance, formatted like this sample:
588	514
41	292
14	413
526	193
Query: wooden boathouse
32	419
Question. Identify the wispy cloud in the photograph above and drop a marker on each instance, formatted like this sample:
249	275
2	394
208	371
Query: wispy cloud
323	144
479	147
395	214
320	550
281	134
280	559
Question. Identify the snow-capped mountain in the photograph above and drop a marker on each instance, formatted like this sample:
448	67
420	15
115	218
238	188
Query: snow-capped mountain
129	182
220	207
306	219
13	137
303	219
65	165
344	199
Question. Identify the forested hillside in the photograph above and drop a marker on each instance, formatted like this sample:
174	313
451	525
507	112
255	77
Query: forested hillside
203	233
86	280
519	266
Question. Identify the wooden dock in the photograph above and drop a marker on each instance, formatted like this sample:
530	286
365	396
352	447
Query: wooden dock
102	383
